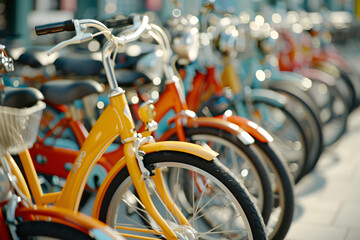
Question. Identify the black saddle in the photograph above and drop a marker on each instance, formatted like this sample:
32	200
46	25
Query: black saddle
129	78
78	66
66	91
21	97
28	58
124	60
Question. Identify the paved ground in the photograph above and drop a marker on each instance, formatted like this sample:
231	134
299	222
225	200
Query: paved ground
328	199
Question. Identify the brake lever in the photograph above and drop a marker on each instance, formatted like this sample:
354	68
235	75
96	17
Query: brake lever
80	37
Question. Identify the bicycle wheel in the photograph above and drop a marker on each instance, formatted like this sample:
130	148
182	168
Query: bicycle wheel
289	136
280	218
306	112
219	206
334	110
353	86
343	84
282	185
39	229
240	159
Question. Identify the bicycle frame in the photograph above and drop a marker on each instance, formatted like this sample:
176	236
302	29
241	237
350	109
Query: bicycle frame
110	125
207	82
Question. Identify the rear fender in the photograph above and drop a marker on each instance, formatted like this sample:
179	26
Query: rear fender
213	122
251	127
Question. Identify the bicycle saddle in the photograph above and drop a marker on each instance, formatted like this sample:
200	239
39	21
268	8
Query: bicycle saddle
66	91
21	97
29	59
133	53
78	66
129	78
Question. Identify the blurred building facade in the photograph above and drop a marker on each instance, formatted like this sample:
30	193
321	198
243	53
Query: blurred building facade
18	17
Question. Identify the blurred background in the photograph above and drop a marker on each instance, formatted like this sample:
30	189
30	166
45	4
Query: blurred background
18	17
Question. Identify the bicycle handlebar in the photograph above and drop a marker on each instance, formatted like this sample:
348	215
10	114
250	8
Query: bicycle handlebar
69	25
55	27
118	23
80	26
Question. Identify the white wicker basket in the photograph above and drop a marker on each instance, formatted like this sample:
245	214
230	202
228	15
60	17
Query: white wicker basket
19	127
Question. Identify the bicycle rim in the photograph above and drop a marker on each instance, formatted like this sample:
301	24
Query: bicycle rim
252	174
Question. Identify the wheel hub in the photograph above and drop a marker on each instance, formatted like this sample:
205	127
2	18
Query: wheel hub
186	233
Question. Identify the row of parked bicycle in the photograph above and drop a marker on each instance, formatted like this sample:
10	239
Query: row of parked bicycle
221	116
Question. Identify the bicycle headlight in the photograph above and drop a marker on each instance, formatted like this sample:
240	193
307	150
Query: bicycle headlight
147	111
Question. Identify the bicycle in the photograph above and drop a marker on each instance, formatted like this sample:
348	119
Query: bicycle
20	113
142	160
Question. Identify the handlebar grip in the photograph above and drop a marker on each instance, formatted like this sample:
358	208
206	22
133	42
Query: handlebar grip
55	27
117	23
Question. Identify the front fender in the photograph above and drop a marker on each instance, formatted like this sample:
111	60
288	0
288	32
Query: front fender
186	147
249	126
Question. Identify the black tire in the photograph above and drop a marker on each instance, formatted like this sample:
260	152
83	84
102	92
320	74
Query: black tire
334	110
284	202
343	82
352	86
254	165
30	229
210	169
297	164
306	111
217	105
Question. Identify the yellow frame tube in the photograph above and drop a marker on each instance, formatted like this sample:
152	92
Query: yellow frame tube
144	196
19	176
103	133
167	199
31	176
229	77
